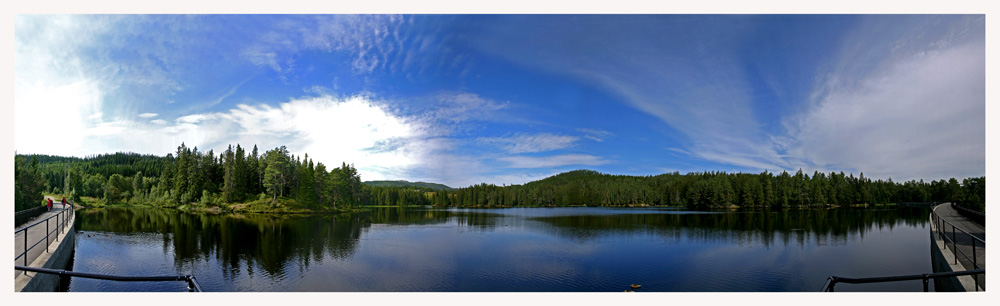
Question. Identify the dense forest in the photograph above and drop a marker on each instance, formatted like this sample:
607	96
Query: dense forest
193	177
717	189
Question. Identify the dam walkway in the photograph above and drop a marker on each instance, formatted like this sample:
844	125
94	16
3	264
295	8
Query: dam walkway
37	242
963	237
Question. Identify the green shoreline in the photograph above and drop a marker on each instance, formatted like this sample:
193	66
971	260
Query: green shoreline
289	208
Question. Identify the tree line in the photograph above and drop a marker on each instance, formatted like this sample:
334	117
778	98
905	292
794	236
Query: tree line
189	176
715	189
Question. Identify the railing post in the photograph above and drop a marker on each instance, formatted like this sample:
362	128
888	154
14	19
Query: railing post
26	248
940	230
954	244
46	235
925	282
975	264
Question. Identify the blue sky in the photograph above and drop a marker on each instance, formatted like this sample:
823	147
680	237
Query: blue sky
507	99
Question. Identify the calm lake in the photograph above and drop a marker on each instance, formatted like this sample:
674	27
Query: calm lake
515	249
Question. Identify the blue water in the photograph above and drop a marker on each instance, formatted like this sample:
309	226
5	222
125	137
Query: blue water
505	250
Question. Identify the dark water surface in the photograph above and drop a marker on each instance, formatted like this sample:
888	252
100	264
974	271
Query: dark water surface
517	249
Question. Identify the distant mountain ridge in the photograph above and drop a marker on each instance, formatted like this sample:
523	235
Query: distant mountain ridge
402	183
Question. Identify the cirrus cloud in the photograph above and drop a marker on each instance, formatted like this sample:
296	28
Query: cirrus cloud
521	161
523	143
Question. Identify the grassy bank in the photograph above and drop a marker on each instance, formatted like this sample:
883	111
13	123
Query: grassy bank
264	206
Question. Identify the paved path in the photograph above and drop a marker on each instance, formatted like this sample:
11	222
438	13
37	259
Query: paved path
37	233
963	241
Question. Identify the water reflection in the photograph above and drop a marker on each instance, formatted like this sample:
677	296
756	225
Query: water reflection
764	227
238	241
567	249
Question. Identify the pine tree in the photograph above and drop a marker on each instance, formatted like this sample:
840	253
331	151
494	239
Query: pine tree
229	178
181	174
306	194
240	174
254	175
276	172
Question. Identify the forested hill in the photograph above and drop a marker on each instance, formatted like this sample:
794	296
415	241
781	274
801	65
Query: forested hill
713	189
193	177
401	183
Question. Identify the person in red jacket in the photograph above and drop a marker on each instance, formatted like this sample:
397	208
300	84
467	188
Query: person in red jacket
49	206
64	202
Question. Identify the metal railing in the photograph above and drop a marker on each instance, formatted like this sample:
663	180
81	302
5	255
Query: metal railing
833	280
971	214
941	224
193	285
62	218
26	215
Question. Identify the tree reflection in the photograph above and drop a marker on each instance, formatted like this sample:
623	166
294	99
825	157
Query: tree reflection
272	244
825	225
269	242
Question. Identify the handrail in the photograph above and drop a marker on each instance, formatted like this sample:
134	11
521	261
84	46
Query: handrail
26	215
939	223
942	233
833	280
973	215
62	217
40	221
193	285
959	228
29	210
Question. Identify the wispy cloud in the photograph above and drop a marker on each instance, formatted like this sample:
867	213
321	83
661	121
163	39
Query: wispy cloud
890	103
918	114
227	94
459	107
52	84
899	96
453	111
595	135
521	161
695	86
523	143
371	40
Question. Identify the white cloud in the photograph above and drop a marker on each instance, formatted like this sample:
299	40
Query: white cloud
595	135
530	143
692	82
366	37
330	130
64	75
904	96
553	161
53	97
258	57
918	117
45	112
459	107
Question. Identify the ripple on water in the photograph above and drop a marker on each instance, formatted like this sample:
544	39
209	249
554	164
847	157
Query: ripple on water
123	255
585	249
